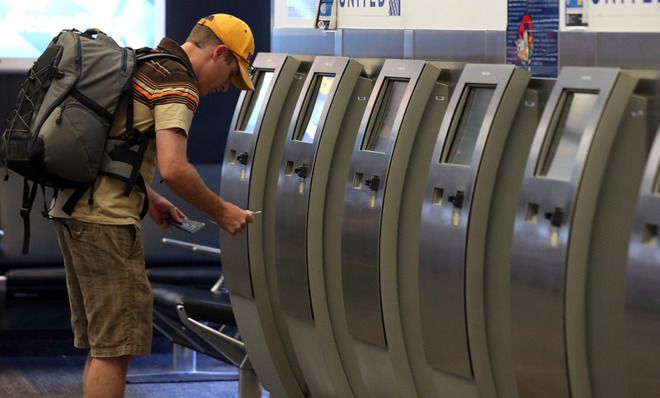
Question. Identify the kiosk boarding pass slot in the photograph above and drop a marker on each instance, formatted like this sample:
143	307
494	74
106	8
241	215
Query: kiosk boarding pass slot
465	160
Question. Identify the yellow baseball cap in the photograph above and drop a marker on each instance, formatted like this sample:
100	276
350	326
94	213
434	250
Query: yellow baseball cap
236	35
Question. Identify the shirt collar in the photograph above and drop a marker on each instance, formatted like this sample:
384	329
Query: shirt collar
170	46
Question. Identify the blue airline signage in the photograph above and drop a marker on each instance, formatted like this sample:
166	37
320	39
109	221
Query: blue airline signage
372	7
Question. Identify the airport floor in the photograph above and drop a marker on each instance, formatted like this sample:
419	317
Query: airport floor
42	363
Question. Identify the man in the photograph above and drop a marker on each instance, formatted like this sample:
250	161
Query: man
109	293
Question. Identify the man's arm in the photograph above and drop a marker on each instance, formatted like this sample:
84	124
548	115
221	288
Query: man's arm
186	182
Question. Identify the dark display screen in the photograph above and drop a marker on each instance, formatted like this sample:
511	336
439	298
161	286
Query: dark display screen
248	121
466	131
319	95
387	107
560	152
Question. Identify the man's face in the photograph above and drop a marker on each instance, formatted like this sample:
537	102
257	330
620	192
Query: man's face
218	70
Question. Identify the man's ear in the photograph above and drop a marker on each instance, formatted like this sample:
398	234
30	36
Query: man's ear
220	50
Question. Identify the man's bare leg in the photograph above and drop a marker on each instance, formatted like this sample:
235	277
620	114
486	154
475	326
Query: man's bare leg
105	377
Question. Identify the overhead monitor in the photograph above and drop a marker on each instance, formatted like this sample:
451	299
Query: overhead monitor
381	130
465	129
569	122
248	121
317	96
26	27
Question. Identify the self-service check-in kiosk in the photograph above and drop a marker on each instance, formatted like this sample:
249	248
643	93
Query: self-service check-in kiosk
406	93
314	166
585	164
451	255
253	151
609	246
642	298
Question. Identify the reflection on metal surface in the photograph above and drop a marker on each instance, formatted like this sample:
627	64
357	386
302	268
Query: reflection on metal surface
464	140
256	101
381	131
567	127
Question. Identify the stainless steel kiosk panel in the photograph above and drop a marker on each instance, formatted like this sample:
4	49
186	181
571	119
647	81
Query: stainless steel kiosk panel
254	147
482	109
488	328
478	149
642	305
322	131
373	192
613	368
575	141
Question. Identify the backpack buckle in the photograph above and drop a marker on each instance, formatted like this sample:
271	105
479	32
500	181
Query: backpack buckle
24	212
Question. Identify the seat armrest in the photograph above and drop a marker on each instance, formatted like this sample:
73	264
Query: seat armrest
193	247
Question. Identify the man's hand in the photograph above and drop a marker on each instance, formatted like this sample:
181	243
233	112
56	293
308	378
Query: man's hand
232	218
185	181
162	211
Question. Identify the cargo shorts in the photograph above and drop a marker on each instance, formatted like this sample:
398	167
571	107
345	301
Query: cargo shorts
109	292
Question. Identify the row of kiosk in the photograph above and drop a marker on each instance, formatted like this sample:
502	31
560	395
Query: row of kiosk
436	229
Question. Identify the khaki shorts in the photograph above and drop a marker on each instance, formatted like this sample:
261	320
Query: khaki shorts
109	293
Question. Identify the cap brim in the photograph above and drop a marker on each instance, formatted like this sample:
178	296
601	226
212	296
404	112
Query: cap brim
243	82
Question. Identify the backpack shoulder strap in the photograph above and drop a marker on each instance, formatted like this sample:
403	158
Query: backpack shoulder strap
145	54
29	195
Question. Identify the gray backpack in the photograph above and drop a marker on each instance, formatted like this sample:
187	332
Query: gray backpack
57	134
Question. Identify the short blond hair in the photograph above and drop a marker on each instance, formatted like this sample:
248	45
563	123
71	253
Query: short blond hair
201	36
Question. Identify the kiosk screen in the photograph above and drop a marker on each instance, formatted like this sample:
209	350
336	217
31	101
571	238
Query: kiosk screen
381	131
248	121
473	107
569	122
314	107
